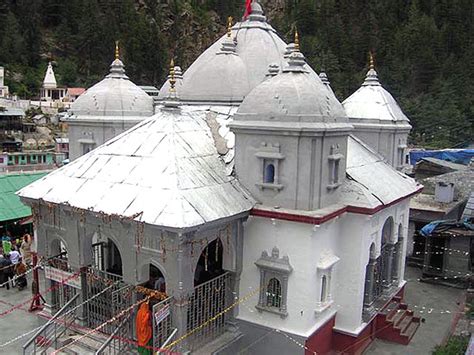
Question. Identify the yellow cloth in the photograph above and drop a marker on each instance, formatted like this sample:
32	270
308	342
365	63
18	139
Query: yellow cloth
143	324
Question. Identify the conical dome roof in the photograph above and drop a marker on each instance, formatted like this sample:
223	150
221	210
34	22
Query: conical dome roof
114	96
294	96
372	102
49	81
214	77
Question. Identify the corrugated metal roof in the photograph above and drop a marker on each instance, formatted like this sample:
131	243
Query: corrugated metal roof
374	175
167	168
10	205
10	111
445	163
469	210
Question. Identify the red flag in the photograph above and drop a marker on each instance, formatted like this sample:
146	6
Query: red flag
248	8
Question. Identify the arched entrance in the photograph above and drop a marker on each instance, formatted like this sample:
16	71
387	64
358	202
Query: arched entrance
209	264
114	259
209	299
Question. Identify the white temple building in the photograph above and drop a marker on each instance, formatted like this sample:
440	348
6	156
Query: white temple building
105	110
378	120
260	200
50	91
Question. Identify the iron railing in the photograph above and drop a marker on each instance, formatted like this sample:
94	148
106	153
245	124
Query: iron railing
206	306
118	342
49	333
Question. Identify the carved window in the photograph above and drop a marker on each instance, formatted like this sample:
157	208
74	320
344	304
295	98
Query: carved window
324	273
334	159
274	272
270	158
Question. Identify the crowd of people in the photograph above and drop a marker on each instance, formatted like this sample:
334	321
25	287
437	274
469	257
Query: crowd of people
15	259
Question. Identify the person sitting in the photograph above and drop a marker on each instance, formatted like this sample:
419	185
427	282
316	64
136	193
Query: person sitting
20	275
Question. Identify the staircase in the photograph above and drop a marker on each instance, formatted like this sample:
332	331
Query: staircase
396	323
77	343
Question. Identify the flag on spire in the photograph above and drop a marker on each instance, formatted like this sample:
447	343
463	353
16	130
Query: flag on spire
248	8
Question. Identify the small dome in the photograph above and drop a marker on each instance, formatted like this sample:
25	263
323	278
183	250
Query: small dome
256	47
372	102
293	95
116	95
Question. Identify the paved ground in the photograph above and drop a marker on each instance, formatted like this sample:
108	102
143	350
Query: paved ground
18	321
438	305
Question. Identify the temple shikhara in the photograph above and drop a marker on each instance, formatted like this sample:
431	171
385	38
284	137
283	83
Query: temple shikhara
246	200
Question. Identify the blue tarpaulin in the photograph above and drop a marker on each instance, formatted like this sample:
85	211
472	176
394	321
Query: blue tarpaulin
441	226
459	156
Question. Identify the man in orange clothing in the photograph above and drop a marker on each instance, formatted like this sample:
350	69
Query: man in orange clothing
144	331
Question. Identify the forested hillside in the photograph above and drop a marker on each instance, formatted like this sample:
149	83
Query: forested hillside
424	49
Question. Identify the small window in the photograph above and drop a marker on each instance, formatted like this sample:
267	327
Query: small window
335	172
324	289
274	293
269	174
1	160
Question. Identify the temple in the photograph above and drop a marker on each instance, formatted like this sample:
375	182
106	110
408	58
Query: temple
249	200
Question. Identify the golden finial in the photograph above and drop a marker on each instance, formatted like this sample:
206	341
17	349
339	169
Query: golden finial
371	60
297	40
117	50
229	26
172	78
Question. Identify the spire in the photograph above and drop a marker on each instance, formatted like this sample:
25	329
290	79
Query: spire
371	61
296	59
297	40
117	69
117	50
371	78
172	100
229	26
256	12
228	45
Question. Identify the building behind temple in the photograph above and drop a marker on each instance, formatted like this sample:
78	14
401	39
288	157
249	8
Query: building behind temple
248	190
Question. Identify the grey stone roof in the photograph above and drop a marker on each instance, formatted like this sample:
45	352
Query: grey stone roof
292	96
115	97
223	76
167	169
372	102
463	181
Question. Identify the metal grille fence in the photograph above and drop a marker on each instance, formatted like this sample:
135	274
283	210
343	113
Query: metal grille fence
61	294
274	293
100	309
162	327
207	301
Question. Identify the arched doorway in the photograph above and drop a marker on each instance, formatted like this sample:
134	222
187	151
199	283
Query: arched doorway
114	259
156	280
209	264
387	251
209	299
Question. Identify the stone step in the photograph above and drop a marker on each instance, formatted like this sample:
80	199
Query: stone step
405	323
397	317
410	331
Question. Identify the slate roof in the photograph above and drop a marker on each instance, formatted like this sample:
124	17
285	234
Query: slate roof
373	181
10	205
166	168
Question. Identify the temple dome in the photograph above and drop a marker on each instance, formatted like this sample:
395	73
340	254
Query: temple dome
114	96
372	102
214	77
293	95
